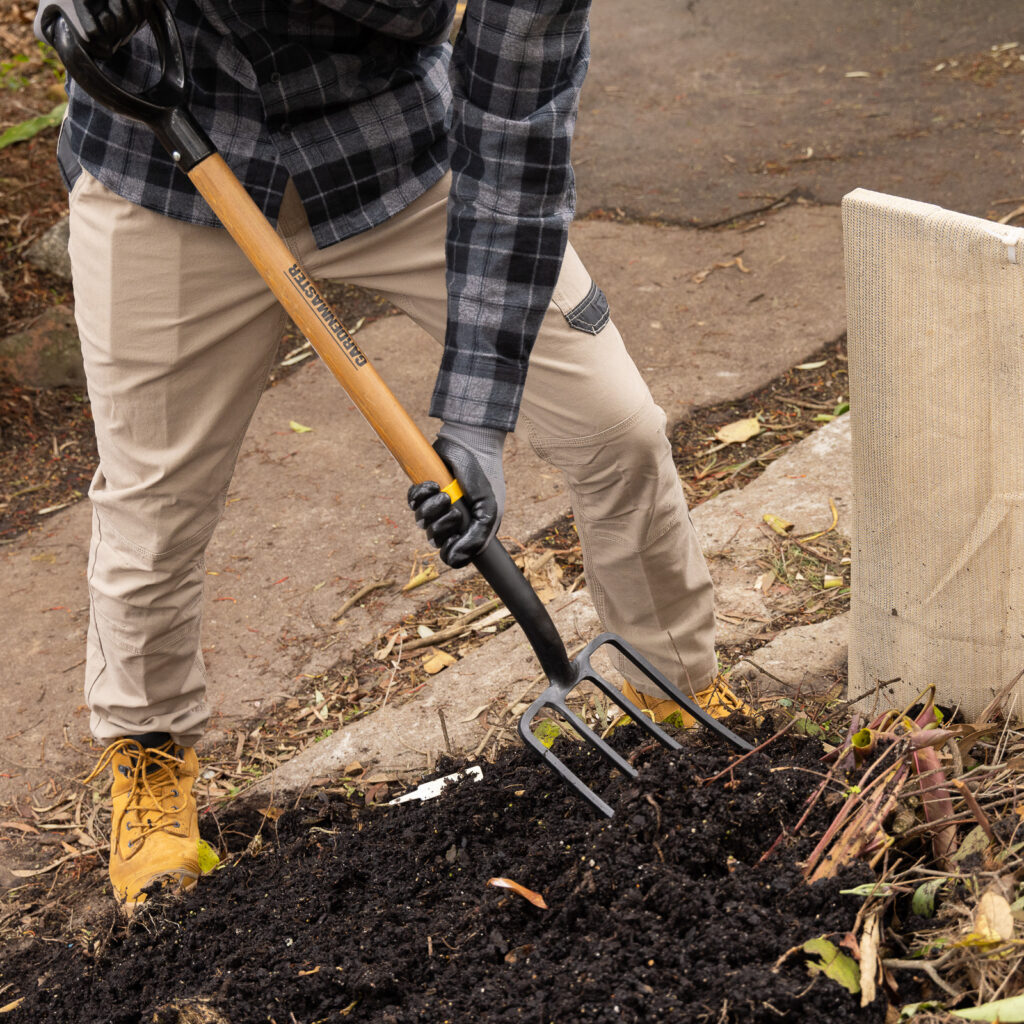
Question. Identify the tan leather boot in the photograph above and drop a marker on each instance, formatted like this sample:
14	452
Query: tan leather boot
717	700
154	828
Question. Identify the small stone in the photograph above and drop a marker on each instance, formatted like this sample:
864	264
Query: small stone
47	353
49	252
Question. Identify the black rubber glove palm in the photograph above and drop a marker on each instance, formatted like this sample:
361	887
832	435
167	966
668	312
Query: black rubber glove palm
104	25
461	532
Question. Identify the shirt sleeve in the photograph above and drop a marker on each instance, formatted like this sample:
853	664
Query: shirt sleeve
516	73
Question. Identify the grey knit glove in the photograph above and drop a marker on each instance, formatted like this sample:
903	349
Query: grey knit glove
473	455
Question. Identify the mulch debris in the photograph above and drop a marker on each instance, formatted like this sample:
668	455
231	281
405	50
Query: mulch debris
788	409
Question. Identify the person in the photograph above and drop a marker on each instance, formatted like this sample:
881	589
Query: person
438	176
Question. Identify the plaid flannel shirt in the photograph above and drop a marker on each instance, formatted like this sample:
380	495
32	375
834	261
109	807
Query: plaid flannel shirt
364	104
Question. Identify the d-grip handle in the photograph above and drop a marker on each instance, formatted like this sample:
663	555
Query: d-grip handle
161	106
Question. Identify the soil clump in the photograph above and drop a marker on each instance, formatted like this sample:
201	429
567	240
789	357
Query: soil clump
340	911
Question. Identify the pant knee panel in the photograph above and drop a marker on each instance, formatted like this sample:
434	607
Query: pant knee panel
623	483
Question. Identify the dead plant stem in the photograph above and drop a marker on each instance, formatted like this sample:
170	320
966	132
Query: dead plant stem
811	803
457	628
930	969
359	595
975	808
853	806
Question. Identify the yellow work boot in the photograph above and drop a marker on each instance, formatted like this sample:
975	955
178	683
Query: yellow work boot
154	828
717	700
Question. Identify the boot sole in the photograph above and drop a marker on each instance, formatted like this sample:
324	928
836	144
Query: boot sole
174	882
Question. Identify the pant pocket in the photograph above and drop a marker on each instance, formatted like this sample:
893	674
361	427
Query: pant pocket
591	313
578	298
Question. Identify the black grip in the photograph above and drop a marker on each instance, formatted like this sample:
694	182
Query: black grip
49	12
161	106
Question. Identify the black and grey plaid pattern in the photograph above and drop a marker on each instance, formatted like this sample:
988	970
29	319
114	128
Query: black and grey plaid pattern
353	99
516	74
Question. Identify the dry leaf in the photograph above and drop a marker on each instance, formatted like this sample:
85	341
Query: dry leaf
474	715
520	952
702	275
299	428
993	920
740	430
436	662
869	958
821	533
777	523
385	652
545	576
271	812
428	574
528	894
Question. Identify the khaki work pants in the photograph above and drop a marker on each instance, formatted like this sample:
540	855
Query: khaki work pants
179	334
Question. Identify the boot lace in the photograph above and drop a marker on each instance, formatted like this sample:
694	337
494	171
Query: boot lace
154	780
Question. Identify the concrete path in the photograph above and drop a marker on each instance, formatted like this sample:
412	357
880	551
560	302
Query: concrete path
696	111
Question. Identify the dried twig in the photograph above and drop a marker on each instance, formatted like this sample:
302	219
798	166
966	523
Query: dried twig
456	629
750	753
351	602
995	704
980	816
931	969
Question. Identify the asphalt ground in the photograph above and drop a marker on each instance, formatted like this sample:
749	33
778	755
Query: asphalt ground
699	111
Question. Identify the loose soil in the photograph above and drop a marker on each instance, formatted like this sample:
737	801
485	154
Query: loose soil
385	914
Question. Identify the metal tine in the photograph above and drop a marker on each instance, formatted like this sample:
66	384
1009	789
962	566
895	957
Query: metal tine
581	670
637	716
557	703
662	683
591	737
564	772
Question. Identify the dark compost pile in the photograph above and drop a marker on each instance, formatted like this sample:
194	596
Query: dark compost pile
385	914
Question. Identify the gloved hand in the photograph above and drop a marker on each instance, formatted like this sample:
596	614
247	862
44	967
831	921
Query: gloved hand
473	455
104	25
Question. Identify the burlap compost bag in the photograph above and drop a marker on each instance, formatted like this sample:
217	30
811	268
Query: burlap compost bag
936	347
